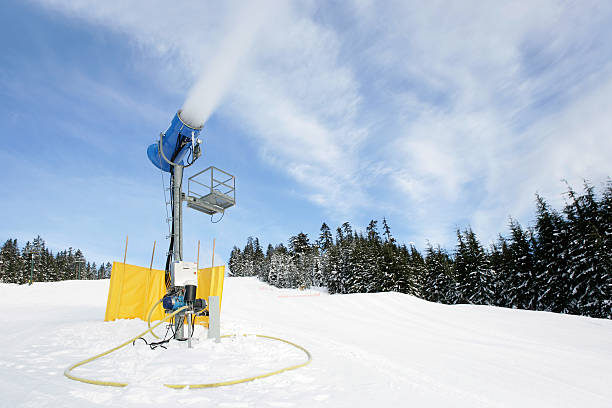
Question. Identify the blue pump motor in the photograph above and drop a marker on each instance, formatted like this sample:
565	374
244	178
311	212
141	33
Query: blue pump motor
176	143
173	302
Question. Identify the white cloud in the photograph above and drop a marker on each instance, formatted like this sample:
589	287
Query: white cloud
481	89
447	113
293	90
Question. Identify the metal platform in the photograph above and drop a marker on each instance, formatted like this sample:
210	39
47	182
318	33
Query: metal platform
211	191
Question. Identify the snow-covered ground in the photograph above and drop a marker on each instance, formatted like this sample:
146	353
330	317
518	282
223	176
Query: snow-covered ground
374	350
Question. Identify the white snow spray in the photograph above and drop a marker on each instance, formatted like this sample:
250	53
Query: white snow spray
214	80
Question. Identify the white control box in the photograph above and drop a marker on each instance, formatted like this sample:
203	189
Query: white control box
185	273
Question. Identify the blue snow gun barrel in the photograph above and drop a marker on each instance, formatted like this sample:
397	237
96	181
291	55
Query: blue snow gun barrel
176	142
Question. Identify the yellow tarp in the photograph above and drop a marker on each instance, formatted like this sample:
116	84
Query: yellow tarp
210	283
134	289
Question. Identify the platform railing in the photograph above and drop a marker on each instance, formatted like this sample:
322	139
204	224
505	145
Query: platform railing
217	190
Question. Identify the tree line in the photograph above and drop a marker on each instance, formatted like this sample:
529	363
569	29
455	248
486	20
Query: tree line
562	264
38	262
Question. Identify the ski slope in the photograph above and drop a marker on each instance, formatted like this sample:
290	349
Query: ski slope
369	350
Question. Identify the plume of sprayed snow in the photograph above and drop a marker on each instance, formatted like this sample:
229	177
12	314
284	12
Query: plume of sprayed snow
221	67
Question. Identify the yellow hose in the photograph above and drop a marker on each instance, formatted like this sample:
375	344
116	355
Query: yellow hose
90	359
151	313
149	317
68	371
255	377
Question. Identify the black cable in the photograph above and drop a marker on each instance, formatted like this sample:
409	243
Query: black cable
168	276
154	345
188	158
214	222
170	328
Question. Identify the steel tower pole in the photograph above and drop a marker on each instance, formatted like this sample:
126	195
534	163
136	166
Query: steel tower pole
177	249
177	214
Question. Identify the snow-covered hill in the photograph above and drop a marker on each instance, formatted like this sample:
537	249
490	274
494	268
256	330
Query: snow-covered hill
369	350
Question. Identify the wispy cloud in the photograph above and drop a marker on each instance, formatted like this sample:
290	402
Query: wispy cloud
295	92
478	92
445	114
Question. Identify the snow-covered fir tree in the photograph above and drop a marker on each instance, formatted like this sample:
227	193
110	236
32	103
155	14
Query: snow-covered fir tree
474	275
589	273
552	238
520	288
562	264
35	261
438	283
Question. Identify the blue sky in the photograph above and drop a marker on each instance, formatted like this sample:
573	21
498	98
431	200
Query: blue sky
436	116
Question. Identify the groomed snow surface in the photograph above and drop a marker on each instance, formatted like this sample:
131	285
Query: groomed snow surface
369	350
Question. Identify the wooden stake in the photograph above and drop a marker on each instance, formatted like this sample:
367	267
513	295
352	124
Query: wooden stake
152	255
213	254
125	254
198	267
123	279
149	274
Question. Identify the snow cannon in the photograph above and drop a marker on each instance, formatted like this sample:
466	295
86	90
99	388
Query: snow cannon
211	191
175	143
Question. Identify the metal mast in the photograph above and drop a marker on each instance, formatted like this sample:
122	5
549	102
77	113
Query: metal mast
177	214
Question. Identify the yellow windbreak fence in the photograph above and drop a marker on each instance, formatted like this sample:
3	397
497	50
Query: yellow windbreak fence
210	283
135	289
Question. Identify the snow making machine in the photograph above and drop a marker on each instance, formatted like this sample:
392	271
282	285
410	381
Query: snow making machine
211	191
182	290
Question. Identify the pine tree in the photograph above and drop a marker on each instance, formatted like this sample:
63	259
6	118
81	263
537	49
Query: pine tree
337	261
373	275
589	277
416	271
523	289
406	271
347	231
38	250
332	266
247	259
438	285
77	263
357	267
302	256
389	268
277	261
259	260
474	276
387	231
372	232
318	278
325	240
299	244
265	273
28	255
10	260
552	240
501	268
605	222
283	272
234	262
44	268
